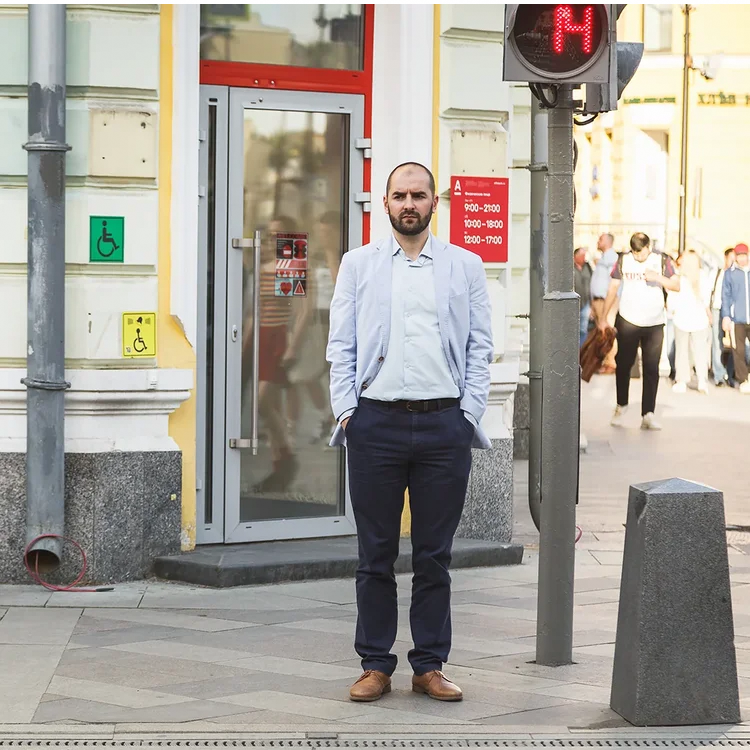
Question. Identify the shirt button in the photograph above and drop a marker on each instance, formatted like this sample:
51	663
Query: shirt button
381	359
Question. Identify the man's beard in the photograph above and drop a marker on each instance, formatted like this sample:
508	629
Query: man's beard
410	230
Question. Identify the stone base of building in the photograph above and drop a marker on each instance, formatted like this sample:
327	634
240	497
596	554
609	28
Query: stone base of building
488	511
123	508
521	422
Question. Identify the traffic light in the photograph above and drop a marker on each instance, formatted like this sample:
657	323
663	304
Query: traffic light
573	44
552	44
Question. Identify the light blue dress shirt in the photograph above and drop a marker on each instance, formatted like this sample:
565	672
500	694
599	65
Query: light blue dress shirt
415	367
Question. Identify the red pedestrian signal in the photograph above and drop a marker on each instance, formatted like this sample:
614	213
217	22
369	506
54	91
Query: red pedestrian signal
565	27
557	43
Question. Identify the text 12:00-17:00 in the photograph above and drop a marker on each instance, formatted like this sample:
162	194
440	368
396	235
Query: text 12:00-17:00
475	239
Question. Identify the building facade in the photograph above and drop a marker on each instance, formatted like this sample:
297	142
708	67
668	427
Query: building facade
628	175
194	130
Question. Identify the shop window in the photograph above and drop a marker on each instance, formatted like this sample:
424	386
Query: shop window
657	28
309	36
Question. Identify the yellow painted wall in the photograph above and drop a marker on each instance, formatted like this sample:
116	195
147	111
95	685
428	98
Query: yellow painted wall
718	146
174	350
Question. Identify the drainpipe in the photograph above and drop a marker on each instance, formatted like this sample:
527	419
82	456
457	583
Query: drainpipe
45	363
538	287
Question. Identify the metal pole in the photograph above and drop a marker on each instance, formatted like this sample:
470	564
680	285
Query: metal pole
560	402
686	66
537	285
45	381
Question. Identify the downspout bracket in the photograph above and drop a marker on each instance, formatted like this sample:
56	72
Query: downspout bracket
46	146
46	385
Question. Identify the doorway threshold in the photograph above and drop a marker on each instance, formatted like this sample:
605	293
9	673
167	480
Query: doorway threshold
225	565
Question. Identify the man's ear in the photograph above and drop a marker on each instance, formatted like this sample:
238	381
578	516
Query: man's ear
385	203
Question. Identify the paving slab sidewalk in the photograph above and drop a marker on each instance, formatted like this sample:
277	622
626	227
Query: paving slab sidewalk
155	658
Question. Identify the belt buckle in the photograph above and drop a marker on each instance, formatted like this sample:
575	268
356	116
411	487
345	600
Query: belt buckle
408	407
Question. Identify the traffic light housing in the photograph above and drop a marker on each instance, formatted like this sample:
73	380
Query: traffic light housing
570	44
553	44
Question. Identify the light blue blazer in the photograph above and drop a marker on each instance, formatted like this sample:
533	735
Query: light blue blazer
361	322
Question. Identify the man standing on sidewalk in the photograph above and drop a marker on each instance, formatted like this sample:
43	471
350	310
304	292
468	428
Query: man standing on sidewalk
721	376
410	327
735	312
644	275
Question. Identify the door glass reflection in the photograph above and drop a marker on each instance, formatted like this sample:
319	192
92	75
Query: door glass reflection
295	167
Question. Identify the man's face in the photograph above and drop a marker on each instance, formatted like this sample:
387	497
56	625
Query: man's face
410	202
579	257
729	260
742	260
602	243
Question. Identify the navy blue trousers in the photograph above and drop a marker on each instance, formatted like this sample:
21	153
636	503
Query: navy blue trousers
430	454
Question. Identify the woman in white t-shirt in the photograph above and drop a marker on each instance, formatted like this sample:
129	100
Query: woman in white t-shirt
691	322
642	276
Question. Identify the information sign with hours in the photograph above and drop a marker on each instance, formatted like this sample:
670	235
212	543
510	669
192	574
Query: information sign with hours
479	216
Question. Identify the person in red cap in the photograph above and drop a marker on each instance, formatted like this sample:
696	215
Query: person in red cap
735	311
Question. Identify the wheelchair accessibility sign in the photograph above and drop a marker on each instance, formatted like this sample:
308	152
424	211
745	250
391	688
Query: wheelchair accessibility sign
139	334
106	239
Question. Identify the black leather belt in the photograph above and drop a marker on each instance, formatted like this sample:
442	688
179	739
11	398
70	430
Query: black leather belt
435	404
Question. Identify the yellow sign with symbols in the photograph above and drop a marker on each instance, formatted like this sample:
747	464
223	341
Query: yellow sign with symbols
139	334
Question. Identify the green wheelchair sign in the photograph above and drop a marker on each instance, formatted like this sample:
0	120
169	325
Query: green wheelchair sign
106	239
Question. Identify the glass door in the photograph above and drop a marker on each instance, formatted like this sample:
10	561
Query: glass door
293	172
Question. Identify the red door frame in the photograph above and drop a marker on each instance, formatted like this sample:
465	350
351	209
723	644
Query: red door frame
290	78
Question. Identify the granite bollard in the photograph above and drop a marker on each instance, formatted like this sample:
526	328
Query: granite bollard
675	662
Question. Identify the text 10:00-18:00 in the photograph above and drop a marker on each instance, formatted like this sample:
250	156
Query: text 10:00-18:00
479	224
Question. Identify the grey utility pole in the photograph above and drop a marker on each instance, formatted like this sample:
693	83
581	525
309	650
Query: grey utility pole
560	401
45	376
687	65
537	287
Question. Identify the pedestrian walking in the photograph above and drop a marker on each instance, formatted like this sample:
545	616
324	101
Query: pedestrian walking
691	323
583	273
719	370
410	347
599	287
644	276
735	312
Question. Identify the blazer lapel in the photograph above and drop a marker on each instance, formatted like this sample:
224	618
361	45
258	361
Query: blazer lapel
441	266
382	278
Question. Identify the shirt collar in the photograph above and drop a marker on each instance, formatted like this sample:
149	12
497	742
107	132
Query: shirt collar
426	251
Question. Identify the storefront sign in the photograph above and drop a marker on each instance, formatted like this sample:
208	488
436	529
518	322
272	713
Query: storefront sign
650	100
723	100
719	99
106	239
291	264
139	334
479	216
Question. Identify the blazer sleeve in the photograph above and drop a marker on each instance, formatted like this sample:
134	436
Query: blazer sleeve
479	347
341	352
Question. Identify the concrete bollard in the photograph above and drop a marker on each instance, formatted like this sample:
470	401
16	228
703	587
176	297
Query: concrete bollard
675	662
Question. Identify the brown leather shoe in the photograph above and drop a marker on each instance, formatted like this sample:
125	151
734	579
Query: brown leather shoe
437	686
370	686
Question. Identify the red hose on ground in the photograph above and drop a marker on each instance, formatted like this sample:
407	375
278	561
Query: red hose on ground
37	578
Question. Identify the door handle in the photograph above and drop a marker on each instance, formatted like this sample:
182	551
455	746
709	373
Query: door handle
256	339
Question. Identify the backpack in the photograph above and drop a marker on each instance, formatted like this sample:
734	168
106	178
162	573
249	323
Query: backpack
620	257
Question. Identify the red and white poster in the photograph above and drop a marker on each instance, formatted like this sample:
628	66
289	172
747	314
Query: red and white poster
479	216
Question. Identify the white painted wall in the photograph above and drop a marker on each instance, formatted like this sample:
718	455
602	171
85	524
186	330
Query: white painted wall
401	97
112	126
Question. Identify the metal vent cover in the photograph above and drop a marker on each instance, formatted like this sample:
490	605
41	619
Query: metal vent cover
406	744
